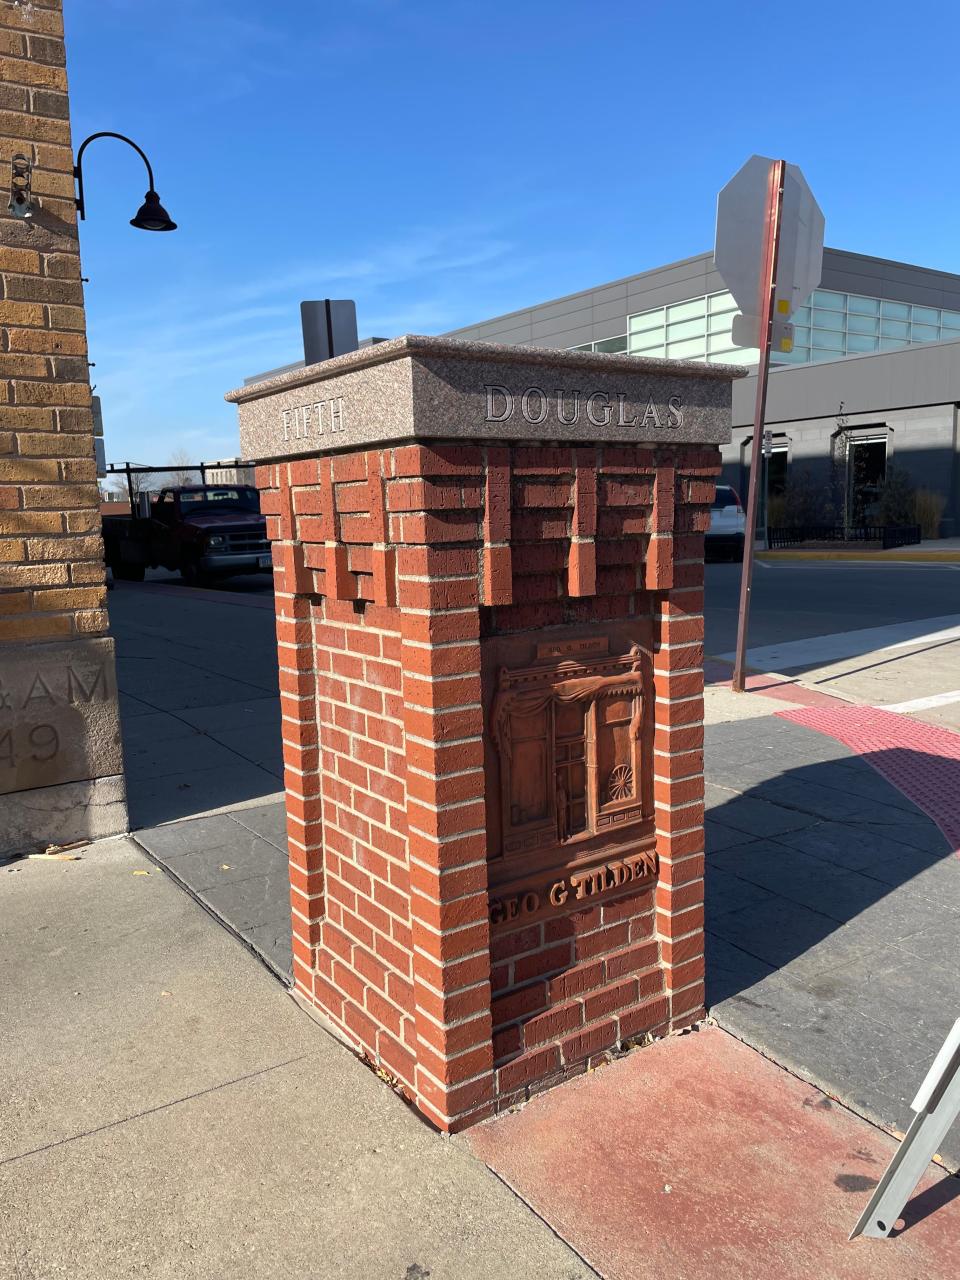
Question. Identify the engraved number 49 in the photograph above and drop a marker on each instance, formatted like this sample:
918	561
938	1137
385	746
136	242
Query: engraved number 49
42	744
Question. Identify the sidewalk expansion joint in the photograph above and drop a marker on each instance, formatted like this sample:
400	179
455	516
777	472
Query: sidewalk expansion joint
149	1111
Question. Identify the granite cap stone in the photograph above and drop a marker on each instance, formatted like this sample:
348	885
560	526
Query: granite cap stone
423	388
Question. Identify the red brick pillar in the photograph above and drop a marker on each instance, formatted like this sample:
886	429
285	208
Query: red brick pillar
491	676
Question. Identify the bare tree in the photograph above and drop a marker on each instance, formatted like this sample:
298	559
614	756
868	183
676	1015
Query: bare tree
181	472
119	491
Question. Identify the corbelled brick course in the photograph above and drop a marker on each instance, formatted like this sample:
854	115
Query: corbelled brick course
396	570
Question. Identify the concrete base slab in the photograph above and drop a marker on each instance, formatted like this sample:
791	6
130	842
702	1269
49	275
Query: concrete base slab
699	1158
91	810
168	1111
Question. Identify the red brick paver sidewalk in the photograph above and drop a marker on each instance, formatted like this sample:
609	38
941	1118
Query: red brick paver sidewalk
920	760
699	1159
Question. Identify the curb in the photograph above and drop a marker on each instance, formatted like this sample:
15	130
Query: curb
897	556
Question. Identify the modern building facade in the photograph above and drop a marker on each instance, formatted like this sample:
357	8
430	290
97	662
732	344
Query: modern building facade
873	380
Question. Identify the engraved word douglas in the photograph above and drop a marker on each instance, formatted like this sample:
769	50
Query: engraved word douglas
597	407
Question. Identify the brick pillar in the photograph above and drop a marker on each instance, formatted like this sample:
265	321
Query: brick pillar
491	671
60	762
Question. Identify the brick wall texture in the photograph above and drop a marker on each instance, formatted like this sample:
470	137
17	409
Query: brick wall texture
51	554
394	569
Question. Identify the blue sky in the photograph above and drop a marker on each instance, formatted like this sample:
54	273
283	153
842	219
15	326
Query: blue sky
443	161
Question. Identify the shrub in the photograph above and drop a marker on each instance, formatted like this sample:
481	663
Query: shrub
897	504
806	499
928	509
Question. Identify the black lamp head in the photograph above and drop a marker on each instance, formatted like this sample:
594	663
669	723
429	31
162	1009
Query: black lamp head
152	216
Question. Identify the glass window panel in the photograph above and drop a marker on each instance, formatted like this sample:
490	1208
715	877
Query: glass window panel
894	329
611	344
862	324
739	355
816	354
650	352
857	342
687	310
924	332
925	315
587	346
718	302
801	315
951	319
797	356
721	324
722	342
686	350
686	329
863	306
801	335
651	338
829	300
828	339
645	320
828	319
895	310
890	344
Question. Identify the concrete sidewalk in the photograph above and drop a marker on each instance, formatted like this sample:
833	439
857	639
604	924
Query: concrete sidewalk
832	914
199	698
168	1111
832	904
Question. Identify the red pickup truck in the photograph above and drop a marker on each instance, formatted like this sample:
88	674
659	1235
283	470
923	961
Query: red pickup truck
205	531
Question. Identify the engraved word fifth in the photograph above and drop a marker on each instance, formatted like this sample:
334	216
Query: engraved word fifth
306	420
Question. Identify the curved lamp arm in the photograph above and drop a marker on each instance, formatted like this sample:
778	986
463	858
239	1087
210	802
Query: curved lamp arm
78	167
151	216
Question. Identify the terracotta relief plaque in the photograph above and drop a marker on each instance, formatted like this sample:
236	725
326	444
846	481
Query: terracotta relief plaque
572	759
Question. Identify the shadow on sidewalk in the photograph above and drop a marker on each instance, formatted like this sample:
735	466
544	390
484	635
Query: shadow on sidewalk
832	914
825	861
199	699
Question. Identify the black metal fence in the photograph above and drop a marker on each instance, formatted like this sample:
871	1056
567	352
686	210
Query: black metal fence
886	535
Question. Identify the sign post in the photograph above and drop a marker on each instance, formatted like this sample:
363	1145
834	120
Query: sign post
767	201
771	253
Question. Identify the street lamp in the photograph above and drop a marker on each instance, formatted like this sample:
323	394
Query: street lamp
151	216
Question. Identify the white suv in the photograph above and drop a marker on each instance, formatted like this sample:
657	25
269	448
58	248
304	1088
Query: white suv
727	525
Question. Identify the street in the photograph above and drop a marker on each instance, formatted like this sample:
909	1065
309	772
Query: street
887	636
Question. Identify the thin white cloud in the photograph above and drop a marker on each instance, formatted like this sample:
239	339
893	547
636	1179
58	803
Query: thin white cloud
158	381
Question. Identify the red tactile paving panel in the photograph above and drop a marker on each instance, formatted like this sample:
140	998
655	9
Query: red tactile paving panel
920	760
699	1159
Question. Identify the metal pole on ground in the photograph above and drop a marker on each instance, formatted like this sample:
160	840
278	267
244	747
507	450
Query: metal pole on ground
768	284
937	1106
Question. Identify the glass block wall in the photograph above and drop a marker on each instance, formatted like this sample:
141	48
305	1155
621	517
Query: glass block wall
847	324
830	326
698	329
614	345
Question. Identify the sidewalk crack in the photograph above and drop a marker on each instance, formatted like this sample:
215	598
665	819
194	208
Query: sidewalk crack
149	1111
